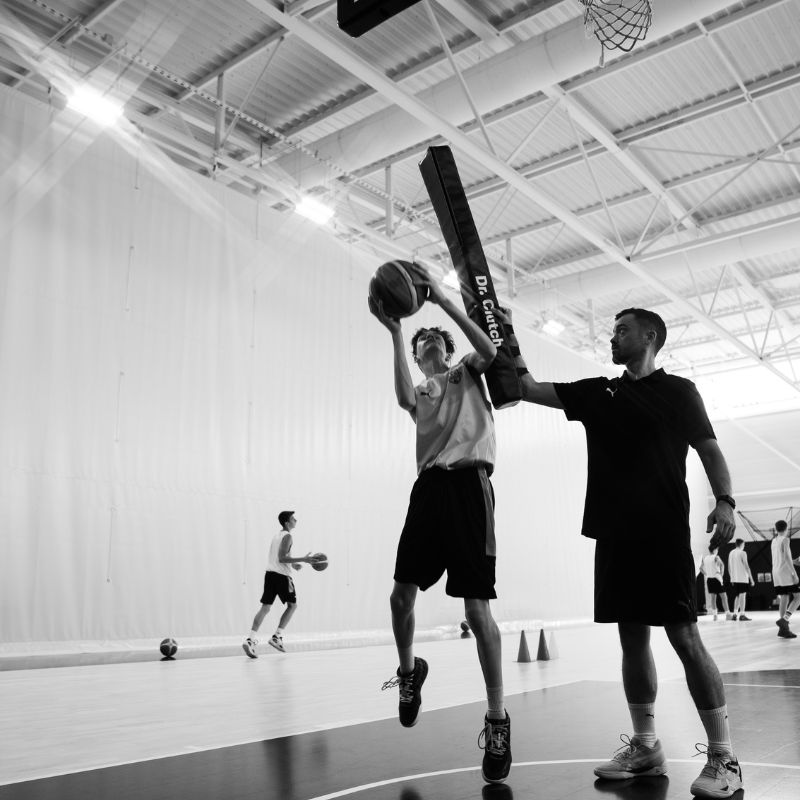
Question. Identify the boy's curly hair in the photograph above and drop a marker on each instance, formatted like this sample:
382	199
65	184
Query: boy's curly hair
449	342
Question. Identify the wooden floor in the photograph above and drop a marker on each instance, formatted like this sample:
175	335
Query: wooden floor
316	725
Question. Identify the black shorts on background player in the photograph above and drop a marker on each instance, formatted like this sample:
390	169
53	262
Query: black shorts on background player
277	585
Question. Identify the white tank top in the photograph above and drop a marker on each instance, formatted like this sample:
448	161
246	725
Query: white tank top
711	567
273	565
737	566
783	571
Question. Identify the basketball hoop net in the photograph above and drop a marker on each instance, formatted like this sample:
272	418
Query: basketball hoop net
617	25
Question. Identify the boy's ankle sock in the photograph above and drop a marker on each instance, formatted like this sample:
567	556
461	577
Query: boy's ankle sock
497	708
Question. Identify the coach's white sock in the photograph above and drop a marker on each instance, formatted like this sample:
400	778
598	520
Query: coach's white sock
643	717
715	721
252	635
279	632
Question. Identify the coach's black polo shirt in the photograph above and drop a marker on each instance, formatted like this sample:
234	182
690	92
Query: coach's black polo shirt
637	435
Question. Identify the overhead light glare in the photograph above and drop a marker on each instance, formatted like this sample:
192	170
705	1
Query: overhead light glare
451	280
92	104
312	209
553	327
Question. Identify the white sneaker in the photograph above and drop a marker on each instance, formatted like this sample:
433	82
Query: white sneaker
721	776
277	643
249	646
633	760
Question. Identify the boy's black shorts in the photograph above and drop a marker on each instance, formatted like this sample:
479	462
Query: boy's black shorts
648	580
277	585
450	526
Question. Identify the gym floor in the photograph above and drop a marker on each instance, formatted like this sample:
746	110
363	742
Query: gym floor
315	726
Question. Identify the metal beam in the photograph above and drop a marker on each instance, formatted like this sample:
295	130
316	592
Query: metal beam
765	444
106	7
595	128
357	66
476	23
631	139
496	82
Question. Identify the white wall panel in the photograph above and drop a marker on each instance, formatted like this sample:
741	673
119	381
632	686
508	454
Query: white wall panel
178	365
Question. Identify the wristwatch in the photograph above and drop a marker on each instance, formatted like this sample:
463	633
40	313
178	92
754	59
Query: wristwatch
726	498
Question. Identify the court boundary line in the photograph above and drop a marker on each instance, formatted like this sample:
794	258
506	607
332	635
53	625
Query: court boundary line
390	781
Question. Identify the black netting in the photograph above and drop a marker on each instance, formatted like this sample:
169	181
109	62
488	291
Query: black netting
617	25
760	523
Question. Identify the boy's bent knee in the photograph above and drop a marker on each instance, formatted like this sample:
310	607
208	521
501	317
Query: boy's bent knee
401	601
478	613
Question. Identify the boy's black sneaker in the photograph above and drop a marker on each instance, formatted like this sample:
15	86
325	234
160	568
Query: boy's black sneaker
410	694
496	736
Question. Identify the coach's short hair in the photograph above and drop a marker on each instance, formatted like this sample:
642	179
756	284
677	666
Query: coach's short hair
780	525
643	316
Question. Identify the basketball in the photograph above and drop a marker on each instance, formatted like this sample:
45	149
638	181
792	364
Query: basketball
397	285
168	647
320	565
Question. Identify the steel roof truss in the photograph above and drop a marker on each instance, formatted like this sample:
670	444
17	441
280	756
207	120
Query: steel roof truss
458	74
762	118
611	221
237	114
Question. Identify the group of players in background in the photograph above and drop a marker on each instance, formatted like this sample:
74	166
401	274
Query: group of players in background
784	580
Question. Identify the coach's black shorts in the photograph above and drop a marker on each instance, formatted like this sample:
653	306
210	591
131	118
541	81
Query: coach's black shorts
714	586
739	588
785	589
450	526
650	580
277	585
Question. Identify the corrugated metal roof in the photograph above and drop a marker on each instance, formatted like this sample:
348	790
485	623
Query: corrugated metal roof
690	109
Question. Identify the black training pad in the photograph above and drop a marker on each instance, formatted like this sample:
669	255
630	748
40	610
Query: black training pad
449	201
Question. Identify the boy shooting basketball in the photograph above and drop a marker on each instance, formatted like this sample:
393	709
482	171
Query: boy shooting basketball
450	521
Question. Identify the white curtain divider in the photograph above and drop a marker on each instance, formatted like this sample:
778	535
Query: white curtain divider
178	365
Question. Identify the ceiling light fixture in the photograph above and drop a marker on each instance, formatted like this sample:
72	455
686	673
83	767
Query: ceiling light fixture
312	209
95	106
553	327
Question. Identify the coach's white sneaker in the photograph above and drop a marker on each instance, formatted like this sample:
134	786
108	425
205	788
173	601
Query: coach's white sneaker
721	776
633	760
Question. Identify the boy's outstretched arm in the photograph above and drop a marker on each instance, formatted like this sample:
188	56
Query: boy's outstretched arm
403	385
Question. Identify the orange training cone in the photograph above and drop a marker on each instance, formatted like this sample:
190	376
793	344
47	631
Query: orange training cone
544	653
553	647
524	656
